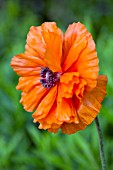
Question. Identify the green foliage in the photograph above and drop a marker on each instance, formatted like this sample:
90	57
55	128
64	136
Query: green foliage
22	145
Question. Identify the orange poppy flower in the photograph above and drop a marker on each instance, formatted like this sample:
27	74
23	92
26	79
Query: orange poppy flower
59	77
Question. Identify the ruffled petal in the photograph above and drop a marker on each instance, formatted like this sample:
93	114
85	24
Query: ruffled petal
25	65
79	88
80	54
45	42
74	32
35	44
50	121
91	103
53	38
26	84
70	128
51	27
66	111
89	107
87	64
31	100
45	105
67	81
77	47
54	130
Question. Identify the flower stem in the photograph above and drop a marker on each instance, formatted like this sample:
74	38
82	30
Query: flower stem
102	156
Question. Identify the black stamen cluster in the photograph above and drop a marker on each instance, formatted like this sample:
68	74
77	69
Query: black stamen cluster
49	78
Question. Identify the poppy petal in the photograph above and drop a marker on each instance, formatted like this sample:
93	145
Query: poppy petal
87	64
77	47
35	44
89	108
67	81
32	99
91	103
70	128
45	105
73	32
50	121
52	27
53	39
80	54
54	130
65	109
79	88
26	84
25	65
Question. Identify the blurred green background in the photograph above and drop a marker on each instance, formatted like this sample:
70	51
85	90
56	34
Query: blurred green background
22	145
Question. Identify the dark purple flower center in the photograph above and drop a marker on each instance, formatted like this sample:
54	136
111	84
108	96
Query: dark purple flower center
48	78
